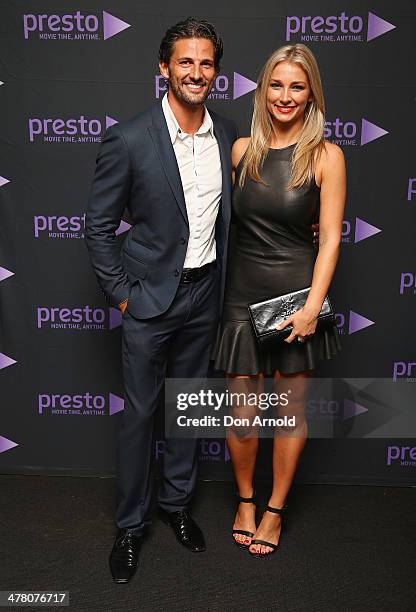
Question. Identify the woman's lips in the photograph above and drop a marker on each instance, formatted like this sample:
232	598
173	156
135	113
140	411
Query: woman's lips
285	109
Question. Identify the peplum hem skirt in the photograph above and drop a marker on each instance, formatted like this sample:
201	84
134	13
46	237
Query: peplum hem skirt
236	351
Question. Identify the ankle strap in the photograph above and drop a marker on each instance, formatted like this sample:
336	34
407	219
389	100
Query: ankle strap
277	510
247	500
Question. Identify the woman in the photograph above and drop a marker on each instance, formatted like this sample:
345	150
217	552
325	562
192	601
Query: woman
286	177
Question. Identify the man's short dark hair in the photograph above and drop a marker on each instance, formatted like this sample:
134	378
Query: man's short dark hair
190	28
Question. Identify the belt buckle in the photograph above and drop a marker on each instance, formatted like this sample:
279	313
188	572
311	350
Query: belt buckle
192	275
186	276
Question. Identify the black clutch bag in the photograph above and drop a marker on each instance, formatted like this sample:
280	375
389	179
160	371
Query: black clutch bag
266	315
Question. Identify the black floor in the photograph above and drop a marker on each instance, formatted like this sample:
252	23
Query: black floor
346	548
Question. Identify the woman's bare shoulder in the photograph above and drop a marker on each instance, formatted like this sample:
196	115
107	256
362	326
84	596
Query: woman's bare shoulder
238	150
327	157
333	152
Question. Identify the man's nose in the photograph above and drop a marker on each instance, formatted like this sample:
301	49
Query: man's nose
195	72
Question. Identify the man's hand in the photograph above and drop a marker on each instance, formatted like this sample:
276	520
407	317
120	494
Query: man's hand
123	306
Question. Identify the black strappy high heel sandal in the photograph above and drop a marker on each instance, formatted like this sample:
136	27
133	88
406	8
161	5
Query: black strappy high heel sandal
244	500
282	512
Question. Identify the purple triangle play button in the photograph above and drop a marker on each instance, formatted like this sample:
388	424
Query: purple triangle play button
377	26
352	409
242	85
370	131
364	230
358	322
109	121
3	181
4	273
123	227
116	403
6	361
115	317
113	25
6	444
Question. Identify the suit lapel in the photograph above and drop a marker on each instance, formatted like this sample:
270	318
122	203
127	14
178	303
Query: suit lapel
160	136
225	169
161	139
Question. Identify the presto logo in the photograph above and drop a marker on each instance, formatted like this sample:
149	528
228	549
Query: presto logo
209	450
351	322
362	231
72	26
336	28
408	283
225	87
63	226
406	455
411	189
59	226
70	130
83	318
79	404
404	370
352	133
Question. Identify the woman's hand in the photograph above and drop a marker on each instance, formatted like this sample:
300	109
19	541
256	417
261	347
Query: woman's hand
304	325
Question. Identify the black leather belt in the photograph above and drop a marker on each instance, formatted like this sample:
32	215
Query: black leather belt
192	275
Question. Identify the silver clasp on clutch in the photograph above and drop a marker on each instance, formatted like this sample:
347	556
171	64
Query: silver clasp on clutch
288	307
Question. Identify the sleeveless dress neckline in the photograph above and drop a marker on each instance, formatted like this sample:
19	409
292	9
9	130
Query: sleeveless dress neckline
283	148
289	147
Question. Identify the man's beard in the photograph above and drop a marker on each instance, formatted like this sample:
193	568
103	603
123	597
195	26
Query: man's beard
182	92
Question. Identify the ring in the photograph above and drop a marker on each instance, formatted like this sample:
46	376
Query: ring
300	339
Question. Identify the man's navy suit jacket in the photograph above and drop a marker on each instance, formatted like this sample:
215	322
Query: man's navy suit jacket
137	168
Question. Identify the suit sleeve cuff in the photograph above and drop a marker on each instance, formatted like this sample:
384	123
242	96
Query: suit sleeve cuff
119	295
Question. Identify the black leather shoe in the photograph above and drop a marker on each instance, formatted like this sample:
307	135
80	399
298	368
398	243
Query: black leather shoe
124	557
185	529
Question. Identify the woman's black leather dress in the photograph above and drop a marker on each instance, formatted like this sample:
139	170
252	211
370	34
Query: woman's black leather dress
271	253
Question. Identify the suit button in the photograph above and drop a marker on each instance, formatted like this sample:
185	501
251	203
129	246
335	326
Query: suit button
183	241
176	273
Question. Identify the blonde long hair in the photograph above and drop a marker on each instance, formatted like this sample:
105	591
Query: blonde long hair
311	139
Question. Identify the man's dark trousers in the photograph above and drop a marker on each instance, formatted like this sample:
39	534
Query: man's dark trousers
174	345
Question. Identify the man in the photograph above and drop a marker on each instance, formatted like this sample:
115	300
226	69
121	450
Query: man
171	167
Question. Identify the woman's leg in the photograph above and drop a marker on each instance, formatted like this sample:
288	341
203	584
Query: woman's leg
243	443
287	448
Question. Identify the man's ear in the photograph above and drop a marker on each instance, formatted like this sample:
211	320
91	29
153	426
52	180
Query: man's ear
164	69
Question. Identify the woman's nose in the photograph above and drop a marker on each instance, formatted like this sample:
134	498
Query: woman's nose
285	95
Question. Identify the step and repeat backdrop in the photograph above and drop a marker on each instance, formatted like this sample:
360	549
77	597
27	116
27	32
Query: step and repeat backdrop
70	70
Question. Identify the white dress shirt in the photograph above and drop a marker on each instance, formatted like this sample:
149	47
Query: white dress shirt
199	165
